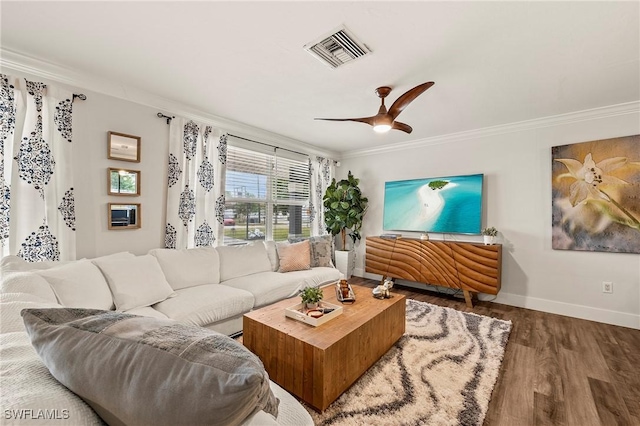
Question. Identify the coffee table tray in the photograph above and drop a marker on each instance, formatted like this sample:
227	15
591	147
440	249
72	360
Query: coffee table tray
296	312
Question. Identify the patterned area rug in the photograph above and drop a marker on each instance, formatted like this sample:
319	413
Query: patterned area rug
441	372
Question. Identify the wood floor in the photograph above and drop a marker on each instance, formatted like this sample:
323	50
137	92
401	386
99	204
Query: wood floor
557	370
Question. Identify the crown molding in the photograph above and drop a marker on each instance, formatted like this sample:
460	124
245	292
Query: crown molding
20	63
538	123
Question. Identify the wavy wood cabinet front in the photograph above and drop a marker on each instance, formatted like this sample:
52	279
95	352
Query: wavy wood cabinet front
471	267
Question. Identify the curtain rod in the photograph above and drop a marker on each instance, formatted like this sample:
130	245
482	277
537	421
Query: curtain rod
266	144
169	118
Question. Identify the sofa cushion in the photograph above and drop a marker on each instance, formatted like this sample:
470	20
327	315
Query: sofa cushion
189	267
270	287
141	371
79	284
30	283
239	261
135	282
147	311
206	304
294	257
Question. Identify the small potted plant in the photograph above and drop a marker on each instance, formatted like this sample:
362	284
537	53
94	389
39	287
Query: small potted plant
311	296
489	235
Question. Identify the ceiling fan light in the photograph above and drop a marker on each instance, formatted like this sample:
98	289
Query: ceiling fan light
381	128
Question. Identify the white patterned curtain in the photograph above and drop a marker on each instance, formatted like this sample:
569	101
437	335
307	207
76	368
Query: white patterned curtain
195	197
37	211
322	171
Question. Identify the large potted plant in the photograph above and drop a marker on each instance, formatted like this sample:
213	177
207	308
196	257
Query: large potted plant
344	209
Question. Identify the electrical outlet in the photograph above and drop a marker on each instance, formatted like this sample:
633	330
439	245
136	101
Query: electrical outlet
607	287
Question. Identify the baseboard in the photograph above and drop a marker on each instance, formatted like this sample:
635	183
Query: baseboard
568	309
622	319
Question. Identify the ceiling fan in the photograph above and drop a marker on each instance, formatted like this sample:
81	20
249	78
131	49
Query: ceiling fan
385	120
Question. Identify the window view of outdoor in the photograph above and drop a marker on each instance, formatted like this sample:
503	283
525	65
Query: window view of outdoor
266	197
248	222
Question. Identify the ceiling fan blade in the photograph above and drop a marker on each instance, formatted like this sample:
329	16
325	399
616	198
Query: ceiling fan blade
368	120
401	126
404	100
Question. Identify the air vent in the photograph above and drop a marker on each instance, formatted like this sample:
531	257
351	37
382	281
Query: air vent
337	49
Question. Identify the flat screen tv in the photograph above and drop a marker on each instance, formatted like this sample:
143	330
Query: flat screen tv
451	205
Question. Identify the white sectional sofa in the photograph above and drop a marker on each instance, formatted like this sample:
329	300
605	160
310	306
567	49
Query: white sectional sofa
206	287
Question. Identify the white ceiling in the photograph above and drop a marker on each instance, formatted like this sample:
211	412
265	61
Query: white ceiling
493	62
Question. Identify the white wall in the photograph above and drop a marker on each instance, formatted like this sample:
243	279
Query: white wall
517	169
92	119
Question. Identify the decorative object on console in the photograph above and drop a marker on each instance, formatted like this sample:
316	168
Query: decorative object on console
450	204
595	187
123	182
489	235
383	291
123	147
311	296
344	209
470	267
124	216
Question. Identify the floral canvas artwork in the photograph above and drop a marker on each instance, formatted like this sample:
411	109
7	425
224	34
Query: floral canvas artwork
596	195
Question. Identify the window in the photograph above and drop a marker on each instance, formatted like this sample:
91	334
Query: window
267	194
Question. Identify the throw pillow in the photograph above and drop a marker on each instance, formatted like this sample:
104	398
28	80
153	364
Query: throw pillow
294	257
321	250
135	282
79	284
142	371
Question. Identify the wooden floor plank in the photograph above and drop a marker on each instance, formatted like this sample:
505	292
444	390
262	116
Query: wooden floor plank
548	411
612	410
548	380
557	370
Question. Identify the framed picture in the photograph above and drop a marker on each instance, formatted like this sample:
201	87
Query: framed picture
123	182
123	147
595	194
124	216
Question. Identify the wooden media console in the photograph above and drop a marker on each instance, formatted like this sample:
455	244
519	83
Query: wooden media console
471	267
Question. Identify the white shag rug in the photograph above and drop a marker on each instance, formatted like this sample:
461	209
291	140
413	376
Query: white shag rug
441	372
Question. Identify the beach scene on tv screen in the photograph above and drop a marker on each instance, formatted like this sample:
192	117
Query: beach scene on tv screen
445	204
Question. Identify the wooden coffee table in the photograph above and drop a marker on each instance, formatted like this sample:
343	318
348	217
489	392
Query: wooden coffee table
317	364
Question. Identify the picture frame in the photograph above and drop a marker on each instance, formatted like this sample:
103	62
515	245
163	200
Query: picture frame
123	182
122	216
123	147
